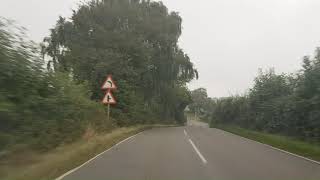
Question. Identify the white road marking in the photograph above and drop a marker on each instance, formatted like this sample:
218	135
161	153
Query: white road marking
198	152
77	168
185	133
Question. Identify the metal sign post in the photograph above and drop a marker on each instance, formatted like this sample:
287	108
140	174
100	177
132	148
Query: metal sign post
108	112
108	99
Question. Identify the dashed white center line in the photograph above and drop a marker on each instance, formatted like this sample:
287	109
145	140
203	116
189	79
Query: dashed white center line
185	133
195	148
198	152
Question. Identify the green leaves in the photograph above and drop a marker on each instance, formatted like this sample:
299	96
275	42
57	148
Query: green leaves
284	104
136	41
40	108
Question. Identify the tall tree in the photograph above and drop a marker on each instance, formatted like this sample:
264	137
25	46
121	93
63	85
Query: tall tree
136	41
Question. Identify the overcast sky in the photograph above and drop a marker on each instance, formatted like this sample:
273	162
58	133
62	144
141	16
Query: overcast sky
228	40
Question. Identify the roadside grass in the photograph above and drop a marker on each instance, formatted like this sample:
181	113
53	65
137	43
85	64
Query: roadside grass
299	147
50	165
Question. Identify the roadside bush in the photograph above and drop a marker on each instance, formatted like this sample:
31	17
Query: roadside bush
40	108
277	103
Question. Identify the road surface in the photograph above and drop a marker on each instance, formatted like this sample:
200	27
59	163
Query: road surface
194	152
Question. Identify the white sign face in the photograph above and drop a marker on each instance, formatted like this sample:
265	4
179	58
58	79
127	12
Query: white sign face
109	99
109	84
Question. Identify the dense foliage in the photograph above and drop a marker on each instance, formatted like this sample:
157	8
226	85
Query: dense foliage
50	94
136	42
277	103
39	108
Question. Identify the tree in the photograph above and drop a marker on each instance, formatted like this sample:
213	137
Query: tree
136	41
201	104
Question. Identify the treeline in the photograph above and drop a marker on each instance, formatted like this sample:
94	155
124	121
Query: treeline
51	95
277	103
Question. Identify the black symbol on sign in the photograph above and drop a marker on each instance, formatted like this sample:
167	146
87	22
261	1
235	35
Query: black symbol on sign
110	83
108	98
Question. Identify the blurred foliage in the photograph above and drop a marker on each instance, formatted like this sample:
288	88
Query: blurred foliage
277	103
39	108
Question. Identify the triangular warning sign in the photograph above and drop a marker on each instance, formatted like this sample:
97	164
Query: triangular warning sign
109	84
109	98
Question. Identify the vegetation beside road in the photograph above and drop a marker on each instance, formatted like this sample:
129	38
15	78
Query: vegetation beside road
50	165
302	148
50	94
136	42
284	104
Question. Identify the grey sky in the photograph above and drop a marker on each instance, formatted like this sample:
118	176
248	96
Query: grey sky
228	40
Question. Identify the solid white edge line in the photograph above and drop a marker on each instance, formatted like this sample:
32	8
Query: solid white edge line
75	169
198	152
281	150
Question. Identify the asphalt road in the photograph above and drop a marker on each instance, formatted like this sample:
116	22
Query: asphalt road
194	152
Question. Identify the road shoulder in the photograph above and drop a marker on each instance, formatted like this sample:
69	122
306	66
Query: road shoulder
53	164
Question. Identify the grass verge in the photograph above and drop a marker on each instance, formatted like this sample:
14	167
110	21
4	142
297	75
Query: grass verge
50	165
302	148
